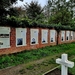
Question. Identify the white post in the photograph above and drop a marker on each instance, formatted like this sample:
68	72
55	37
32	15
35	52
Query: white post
64	64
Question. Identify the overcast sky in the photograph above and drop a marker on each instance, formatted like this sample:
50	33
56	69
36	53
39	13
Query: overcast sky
41	2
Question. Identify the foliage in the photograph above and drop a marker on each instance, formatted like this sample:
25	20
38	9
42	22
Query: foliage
3	21
33	10
26	22
13	21
5	5
60	19
71	5
27	56
72	70
63	16
17	22
17	12
14	12
60	11
4	8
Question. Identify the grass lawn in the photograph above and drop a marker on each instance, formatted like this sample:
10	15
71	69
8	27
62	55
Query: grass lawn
45	58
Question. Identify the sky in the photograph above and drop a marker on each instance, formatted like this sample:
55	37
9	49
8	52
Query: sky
41	2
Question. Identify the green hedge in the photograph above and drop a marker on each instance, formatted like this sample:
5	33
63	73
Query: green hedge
17	22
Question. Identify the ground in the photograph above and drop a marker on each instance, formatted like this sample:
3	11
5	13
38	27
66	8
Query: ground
56	72
37	67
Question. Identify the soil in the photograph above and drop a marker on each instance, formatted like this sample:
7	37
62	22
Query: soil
56	72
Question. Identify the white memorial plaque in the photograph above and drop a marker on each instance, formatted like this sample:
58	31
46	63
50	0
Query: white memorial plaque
62	35
34	36
20	36
67	35
4	37
52	35
72	35
44	36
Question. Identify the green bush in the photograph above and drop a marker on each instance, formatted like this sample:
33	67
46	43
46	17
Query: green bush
25	22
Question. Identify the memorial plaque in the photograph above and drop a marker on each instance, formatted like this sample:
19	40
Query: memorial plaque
52	35
34	36
67	35
4	37
44	36
62	35
20	36
72	35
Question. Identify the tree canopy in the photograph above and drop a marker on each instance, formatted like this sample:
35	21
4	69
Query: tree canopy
62	16
5	5
33	10
56	14
60	11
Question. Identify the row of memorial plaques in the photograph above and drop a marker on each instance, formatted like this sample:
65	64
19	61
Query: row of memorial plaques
21	36
68	35
34	36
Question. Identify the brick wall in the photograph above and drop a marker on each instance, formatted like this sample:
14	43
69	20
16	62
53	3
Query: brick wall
66	41
29	46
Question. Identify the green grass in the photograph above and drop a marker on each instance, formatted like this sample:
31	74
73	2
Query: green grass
72	70
27	56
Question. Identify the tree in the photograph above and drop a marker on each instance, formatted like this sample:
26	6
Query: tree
63	16
71	7
5	5
60	11
33	10
13	12
49	8
17	12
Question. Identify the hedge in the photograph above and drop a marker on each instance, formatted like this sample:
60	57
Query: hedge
17	22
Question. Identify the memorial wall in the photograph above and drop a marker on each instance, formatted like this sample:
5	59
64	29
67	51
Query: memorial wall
14	40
